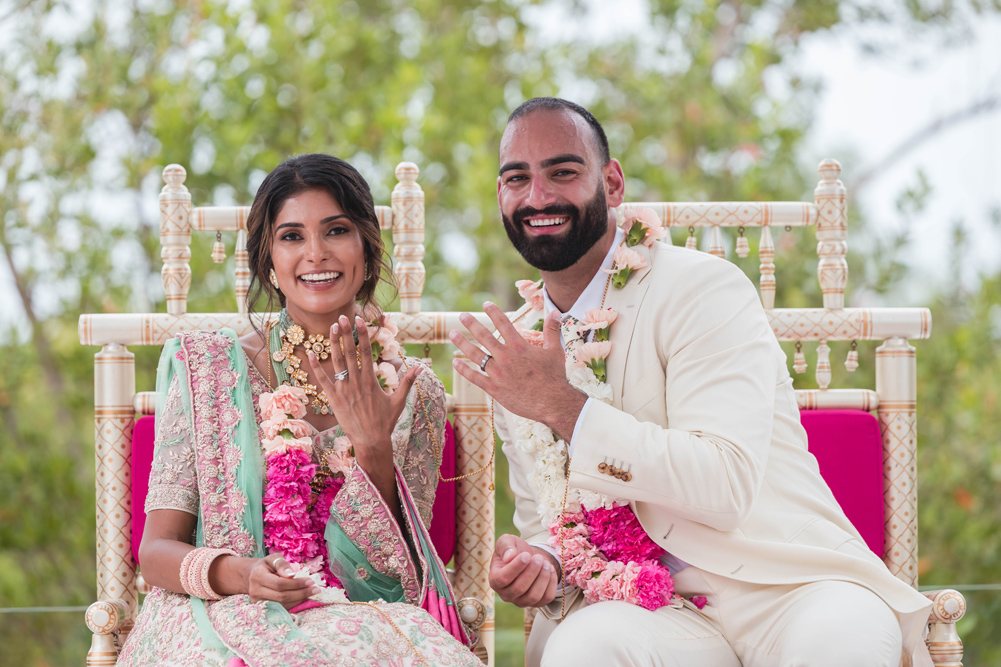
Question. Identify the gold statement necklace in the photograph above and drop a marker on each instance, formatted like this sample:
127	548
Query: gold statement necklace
283	340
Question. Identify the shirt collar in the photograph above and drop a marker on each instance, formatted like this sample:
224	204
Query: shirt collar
595	290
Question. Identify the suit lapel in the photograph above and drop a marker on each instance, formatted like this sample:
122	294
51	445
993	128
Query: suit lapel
626	302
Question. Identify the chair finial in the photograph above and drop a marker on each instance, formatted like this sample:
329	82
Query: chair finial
829	170
407	172
174	175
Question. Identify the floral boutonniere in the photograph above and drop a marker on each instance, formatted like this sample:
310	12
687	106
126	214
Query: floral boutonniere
625	261
593	356
642	225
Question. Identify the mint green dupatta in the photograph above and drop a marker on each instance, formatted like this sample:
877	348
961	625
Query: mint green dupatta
215	389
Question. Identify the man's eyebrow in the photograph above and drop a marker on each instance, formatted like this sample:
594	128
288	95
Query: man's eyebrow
559	159
521	166
545	164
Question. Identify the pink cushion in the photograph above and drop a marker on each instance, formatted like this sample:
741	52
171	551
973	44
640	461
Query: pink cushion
848	448
442	527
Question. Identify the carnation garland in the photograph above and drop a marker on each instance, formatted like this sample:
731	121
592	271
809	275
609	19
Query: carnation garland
297	496
606	553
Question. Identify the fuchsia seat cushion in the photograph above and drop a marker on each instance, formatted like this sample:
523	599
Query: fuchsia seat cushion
442	523
848	448
845	442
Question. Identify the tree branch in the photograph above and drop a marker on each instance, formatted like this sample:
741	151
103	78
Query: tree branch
927	132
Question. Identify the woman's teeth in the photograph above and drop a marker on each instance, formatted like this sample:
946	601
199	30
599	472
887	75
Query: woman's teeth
320	277
546	222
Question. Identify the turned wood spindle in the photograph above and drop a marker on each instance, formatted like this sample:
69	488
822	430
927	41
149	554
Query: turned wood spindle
175	239
766	253
408	236
832	231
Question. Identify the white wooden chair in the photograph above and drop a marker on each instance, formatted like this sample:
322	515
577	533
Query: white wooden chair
895	396
116	402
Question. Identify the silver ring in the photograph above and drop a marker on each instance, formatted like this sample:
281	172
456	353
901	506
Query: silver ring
343	375
483	364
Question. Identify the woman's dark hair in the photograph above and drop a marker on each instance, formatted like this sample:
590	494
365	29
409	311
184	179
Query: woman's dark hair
312	171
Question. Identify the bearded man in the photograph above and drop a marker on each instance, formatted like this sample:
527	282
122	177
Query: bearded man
701	440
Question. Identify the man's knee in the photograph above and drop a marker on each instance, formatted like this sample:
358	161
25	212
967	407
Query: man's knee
584	638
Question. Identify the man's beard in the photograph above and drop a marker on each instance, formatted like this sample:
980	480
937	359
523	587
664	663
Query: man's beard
560	251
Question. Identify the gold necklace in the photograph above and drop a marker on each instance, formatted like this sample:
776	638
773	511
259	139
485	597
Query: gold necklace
292	336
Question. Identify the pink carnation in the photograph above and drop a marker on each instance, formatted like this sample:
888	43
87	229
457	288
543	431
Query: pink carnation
285	400
618	534
531	292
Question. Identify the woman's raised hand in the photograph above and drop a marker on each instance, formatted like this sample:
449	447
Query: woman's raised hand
270	578
363	410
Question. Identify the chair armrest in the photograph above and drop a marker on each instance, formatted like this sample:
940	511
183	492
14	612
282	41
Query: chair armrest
105	618
944	644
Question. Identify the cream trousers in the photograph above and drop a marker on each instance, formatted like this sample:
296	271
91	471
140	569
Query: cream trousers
818	624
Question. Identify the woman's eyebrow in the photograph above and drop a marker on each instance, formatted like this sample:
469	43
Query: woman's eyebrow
322	222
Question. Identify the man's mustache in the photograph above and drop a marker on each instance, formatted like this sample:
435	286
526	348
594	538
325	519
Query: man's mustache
554	210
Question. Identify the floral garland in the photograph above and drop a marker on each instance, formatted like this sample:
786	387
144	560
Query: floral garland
297	500
606	553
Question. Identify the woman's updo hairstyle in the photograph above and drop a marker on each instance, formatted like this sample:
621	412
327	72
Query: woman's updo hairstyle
313	171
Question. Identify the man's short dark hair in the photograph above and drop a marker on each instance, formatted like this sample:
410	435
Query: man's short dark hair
558	104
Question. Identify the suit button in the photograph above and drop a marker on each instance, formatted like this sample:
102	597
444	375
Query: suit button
602	467
626	476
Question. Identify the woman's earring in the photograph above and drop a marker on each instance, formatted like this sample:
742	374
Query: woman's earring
274	279
368	272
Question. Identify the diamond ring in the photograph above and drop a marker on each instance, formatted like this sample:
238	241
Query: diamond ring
483	364
343	375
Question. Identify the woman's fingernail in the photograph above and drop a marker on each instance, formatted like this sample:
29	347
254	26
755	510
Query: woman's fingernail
315	590
487	303
334	329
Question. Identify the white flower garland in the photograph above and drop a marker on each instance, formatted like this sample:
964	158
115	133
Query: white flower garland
548	476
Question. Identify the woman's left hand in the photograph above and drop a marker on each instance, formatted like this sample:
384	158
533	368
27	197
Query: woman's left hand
363	409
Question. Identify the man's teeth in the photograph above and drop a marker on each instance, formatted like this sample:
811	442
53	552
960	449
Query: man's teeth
546	222
319	277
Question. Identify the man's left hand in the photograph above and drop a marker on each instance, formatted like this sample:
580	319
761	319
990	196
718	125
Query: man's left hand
529	381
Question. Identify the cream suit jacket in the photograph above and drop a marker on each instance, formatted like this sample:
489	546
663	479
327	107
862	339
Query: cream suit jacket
705	419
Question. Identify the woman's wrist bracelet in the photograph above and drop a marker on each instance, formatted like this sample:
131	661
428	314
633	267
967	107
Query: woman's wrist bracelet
194	572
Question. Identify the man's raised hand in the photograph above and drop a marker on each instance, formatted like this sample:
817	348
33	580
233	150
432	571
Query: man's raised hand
527	380
522	574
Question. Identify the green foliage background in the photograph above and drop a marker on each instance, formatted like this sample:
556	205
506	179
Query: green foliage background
96	97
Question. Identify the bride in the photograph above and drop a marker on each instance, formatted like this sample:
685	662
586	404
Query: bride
295	468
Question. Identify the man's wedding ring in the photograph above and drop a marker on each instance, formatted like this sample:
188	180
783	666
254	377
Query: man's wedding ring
343	375
483	364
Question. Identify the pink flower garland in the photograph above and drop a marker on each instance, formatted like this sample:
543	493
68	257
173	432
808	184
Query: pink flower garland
291	526
608	555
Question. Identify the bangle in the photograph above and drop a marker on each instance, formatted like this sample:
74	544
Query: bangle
194	572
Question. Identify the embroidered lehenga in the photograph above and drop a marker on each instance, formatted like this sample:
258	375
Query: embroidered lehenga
208	462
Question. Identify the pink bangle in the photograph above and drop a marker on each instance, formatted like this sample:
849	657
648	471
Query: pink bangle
194	572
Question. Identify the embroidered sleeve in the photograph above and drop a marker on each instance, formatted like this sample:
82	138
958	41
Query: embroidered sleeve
365	518
421	453
172	480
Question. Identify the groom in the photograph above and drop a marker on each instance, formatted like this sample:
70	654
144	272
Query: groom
701	436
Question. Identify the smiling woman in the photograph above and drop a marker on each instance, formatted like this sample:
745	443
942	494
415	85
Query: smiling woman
332	563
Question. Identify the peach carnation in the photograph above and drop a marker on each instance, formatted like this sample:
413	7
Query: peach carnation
627	258
273	427
642	225
588	352
598	318
285	400
278	444
531	292
339	458
388	377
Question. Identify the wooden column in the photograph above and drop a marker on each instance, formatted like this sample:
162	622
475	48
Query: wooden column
114	418
475	503
896	385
